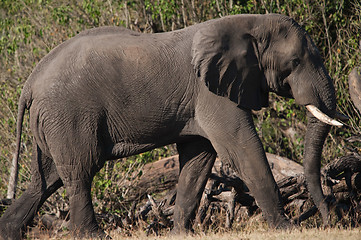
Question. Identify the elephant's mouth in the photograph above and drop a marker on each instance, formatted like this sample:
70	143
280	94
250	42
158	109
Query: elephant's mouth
317	113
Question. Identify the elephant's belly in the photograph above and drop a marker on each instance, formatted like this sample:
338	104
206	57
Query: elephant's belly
120	150
139	135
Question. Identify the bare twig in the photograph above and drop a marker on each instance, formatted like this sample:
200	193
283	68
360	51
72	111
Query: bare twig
323	10
184	14
126	14
161	17
195	18
157	210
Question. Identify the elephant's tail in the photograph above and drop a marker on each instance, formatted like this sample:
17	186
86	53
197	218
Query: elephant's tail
24	103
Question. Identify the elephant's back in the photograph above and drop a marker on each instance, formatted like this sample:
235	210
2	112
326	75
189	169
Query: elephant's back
113	69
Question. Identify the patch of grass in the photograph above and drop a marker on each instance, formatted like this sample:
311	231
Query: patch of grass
260	234
253	229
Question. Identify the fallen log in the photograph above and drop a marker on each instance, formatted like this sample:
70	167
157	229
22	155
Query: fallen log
341	180
157	177
163	175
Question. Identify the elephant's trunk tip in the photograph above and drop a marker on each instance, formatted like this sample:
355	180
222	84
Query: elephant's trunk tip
317	113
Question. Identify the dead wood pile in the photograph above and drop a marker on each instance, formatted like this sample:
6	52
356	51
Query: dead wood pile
227	194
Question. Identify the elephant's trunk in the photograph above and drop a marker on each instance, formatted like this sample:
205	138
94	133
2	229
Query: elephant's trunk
323	98
315	137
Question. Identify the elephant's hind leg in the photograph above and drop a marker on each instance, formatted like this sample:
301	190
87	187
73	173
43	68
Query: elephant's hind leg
77	180
44	182
196	160
82	216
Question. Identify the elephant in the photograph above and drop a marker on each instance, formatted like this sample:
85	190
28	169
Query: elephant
110	92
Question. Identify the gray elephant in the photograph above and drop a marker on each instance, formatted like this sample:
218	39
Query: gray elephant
110	92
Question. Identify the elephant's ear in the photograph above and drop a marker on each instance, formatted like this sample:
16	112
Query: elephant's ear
228	63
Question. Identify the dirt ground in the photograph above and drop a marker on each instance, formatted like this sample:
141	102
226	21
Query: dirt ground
261	234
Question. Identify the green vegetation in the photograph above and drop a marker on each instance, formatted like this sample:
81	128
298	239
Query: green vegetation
29	29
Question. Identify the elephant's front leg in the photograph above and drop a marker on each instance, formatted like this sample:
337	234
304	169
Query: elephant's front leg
196	159
233	135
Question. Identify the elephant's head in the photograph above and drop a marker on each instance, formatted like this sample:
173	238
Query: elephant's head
243	58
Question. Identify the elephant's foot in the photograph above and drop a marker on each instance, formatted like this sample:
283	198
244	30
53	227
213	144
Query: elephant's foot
94	233
182	225
278	220
7	231
100	234
284	224
180	231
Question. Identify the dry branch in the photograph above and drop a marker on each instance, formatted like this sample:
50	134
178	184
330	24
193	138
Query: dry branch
224	190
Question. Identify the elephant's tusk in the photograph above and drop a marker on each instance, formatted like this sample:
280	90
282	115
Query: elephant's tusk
322	117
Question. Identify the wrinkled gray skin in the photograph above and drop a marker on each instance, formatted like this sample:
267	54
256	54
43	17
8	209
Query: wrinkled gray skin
110	93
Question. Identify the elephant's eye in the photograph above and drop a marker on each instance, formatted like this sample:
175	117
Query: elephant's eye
295	62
